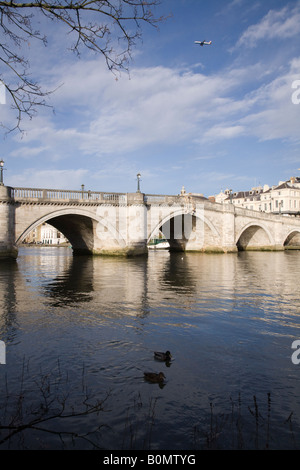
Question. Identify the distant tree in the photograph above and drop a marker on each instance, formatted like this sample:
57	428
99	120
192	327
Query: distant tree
110	28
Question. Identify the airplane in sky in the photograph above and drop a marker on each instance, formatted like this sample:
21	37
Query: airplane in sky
202	43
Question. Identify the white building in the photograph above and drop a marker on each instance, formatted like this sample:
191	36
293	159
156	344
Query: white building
281	199
51	236
45	234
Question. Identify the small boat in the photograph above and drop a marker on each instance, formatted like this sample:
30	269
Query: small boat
159	245
162	356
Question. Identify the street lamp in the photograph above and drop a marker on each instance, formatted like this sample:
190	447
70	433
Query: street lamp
138	182
1	173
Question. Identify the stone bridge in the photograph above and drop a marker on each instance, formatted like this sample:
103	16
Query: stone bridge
124	223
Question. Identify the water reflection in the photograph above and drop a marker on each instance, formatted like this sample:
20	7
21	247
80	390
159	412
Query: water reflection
197	285
75	283
228	320
9	274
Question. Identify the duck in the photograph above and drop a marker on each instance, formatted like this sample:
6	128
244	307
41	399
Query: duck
153	377
162	356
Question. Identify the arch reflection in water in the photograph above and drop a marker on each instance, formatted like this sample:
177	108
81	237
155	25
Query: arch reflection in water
229	321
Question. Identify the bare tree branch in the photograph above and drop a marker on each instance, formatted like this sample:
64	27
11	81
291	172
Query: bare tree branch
53	405
110	28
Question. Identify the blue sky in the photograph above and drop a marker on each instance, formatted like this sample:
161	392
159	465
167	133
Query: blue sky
208	118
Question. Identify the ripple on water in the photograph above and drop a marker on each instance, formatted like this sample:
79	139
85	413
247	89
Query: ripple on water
92	326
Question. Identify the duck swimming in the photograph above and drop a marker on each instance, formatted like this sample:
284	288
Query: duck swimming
153	377
162	356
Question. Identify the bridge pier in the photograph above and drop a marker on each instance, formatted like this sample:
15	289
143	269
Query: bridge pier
136	249
8	248
228	229
129	251
121	228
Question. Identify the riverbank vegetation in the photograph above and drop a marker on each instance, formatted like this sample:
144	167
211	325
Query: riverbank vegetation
46	415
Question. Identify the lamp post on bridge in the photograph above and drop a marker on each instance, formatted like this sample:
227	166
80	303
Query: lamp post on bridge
1	172
138	182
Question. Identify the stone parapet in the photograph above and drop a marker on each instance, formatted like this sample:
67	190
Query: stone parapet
135	198
5	193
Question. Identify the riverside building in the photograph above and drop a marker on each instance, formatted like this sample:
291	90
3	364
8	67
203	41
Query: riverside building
283	198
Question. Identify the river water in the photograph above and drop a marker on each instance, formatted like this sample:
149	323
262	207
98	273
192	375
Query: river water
80	332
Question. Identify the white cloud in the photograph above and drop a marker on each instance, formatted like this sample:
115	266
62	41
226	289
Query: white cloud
224	132
157	105
274	116
29	152
97	116
55	179
284	23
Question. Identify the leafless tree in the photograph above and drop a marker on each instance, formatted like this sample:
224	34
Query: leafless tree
110	28
49	407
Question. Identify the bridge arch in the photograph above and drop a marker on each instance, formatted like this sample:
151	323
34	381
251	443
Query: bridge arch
86	231
254	236
187	230
292	240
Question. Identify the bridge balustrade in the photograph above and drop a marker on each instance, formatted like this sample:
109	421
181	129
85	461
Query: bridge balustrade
62	195
66	195
160	198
